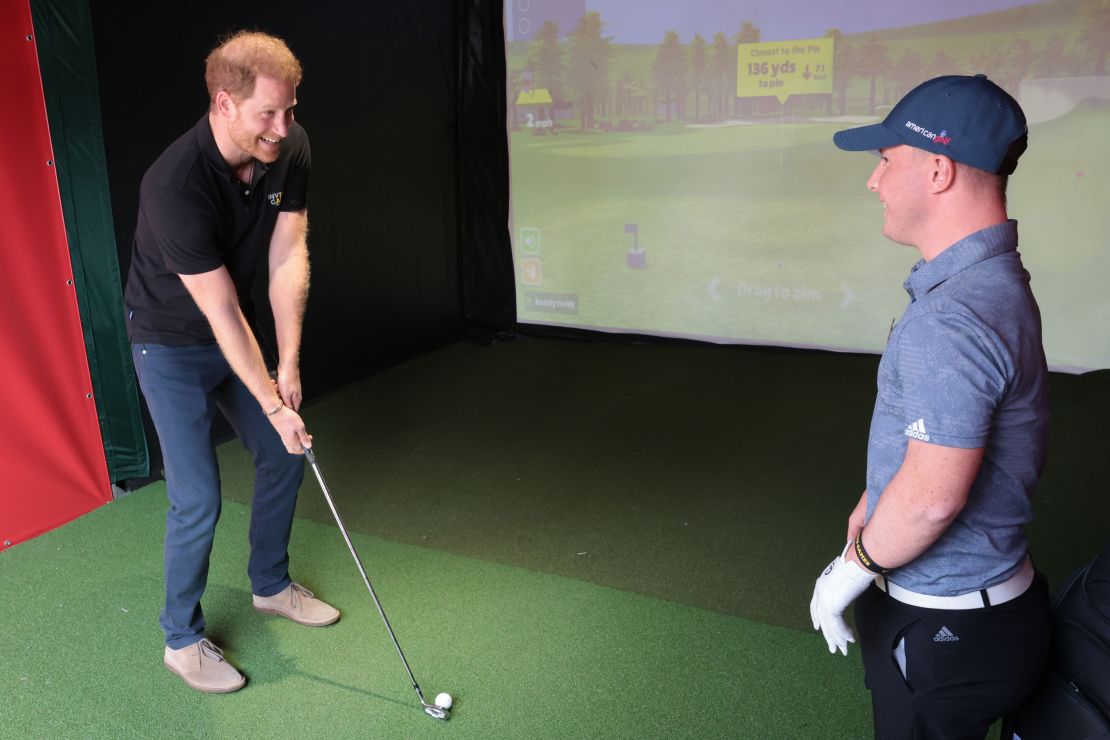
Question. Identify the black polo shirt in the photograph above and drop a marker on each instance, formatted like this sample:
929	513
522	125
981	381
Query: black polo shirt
194	216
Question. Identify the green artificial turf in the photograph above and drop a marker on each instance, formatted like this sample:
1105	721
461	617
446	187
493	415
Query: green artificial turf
720	477
576	539
525	654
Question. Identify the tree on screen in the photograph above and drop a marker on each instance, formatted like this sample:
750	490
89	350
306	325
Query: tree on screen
1056	60
842	68
1095	36
699	62
589	53
724	67
545	59
670	74
1017	63
749	34
622	98
906	73
987	60
943	64
870	63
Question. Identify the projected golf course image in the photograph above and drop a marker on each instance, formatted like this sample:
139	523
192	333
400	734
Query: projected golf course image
746	224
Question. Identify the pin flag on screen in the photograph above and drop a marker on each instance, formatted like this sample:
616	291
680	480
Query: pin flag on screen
635	231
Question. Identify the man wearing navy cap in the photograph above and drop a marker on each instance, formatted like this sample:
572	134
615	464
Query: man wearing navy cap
955	632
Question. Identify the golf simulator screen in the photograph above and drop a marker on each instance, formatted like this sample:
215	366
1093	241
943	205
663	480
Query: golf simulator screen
673	171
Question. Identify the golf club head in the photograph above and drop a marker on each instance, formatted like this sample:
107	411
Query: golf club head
436	711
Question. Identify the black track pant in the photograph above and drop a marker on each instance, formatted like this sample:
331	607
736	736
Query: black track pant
964	668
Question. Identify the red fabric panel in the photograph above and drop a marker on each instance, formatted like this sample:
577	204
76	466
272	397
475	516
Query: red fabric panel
51	452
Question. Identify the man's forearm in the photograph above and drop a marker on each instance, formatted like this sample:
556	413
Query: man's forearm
900	531
923	498
243	354
215	295
289	271
288	295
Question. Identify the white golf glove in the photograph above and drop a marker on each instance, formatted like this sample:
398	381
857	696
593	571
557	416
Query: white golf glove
839	585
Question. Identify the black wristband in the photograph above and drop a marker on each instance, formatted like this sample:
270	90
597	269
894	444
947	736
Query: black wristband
865	559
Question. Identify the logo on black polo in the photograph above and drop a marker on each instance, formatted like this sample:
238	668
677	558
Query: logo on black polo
275	198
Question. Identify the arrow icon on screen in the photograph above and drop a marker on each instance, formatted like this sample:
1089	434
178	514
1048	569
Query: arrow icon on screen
713	288
849	296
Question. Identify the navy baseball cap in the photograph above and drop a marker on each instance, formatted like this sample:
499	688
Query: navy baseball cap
968	119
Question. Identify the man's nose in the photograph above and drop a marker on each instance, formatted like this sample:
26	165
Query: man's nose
281	125
873	181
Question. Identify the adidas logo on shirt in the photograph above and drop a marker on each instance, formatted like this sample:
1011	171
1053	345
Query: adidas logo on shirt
917	430
945	635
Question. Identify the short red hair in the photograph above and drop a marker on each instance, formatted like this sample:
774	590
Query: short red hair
236	63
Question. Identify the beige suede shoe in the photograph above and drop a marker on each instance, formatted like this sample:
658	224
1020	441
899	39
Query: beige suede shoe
298	604
203	667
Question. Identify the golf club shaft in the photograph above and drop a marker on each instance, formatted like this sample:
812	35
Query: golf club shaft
365	579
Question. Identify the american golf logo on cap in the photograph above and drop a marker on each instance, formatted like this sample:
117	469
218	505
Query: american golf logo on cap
942	138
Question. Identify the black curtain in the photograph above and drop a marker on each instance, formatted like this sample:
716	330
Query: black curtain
489	294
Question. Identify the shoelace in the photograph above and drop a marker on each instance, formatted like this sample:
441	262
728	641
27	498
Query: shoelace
298	591
210	651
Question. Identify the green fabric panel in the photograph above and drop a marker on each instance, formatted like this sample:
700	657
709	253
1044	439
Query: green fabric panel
64	36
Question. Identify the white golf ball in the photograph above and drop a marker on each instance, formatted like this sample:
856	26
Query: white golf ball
444	700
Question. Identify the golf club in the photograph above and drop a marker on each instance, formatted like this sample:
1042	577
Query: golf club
432	710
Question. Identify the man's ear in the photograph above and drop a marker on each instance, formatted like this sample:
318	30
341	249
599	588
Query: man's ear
225	104
942	173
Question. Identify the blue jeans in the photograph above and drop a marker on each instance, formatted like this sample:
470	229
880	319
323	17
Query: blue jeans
184	387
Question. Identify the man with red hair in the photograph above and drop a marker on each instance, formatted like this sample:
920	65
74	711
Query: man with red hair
228	193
